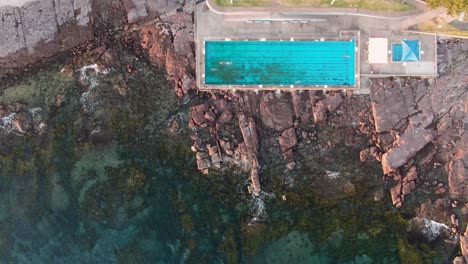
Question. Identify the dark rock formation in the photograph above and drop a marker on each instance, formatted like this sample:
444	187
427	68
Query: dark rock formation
463	259
418	113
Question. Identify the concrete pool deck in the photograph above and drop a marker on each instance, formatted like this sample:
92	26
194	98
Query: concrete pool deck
210	25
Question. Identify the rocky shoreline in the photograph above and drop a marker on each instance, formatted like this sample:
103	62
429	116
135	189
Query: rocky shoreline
416	128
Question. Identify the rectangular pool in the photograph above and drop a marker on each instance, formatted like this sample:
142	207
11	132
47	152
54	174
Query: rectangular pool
280	63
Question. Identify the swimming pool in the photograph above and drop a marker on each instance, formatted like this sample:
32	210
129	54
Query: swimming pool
280	62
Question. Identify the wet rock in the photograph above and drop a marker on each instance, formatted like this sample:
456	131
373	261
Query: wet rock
428	229
438	210
101	136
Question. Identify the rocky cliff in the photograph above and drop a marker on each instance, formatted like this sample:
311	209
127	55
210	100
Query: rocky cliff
415	128
421	128
41	29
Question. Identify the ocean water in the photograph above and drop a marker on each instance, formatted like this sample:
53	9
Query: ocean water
136	195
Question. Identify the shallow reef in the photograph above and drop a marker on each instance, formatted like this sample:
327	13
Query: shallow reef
110	181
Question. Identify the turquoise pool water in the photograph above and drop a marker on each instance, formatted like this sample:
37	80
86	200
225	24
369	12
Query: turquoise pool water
397	52
408	50
280	62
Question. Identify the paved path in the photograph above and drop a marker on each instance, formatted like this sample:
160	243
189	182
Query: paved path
277	8
429	14
400	19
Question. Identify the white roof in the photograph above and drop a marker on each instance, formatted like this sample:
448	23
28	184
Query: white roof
378	50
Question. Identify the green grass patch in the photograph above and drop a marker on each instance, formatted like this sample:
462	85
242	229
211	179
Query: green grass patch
440	26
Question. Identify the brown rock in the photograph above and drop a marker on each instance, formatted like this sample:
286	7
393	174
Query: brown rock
171	51
225	117
255	178
198	114
216	160
333	102
441	190
319	112
464	243
297	105
412	185
291	165
210	116
201	155
275	114
388	106
395	192
249	132
459	260
364	155
42	28
203	164
454	219
458	174
288	155
288	139
406	189
221	105
212	150
408	145
411	174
